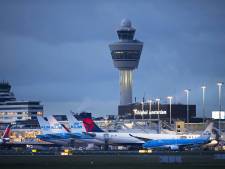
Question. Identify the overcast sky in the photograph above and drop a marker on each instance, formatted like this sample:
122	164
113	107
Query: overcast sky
57	51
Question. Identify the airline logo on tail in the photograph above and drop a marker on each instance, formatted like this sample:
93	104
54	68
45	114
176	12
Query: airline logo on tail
54	126
208	131
7	130
45	127
90	126
76	125
5	137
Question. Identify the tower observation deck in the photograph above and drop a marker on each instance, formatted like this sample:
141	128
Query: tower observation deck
126	55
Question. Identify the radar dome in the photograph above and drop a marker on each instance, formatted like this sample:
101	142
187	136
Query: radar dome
126	23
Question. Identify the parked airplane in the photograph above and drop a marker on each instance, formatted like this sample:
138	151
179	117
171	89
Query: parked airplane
53	131
181	143
5	137
56	133
133	139
78	131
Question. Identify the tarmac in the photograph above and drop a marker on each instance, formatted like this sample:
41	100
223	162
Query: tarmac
113	160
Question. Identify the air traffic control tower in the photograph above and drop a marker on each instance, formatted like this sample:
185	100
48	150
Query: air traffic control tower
126	55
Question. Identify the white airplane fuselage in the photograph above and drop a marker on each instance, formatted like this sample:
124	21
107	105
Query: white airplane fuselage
133	138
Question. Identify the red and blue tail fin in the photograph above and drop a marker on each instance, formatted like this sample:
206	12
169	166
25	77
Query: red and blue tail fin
6	132
90	125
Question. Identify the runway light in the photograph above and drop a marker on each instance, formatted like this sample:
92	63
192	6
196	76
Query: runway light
66	151
142	151
64	154
149	151
145	151
34	150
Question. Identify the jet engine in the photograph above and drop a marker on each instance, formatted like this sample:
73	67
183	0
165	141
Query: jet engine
174	147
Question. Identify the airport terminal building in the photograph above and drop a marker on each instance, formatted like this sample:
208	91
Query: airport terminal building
12	110
155	111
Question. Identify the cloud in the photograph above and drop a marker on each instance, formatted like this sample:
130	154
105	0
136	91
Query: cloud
57	52
96	107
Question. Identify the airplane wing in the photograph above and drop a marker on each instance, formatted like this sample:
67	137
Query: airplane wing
141	138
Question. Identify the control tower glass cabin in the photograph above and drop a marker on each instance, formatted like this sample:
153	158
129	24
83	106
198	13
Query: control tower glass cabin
126	55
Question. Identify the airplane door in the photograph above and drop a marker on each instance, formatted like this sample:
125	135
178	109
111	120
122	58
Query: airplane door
106	138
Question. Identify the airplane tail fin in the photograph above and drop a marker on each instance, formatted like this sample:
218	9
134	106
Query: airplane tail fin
44	125
55	126
6	132
208	132
75	125
90	125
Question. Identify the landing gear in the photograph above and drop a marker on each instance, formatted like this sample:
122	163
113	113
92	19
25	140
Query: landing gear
72	143
106	146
